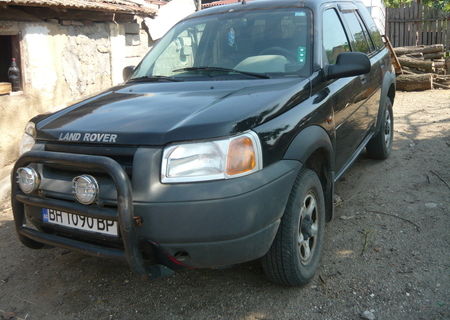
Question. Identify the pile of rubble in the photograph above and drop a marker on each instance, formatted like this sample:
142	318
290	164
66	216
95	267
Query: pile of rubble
423	68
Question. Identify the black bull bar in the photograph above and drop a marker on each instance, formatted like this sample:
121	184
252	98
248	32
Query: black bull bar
125	217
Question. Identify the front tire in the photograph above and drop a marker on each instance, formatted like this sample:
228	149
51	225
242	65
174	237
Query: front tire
380	146
295	252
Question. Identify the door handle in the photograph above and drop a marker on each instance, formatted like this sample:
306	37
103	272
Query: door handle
363	78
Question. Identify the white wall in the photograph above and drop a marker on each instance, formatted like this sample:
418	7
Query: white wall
168	16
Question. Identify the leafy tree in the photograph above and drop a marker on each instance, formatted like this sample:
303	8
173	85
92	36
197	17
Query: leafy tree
439	4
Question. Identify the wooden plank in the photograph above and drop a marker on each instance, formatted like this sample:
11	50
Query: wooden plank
439	31
424	26
420	24
429	27
387	24
5	87
396	30
412	37
394	59
433	27
401	15
397	43
447	33
416	24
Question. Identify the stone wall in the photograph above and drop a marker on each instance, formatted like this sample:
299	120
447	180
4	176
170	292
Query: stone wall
63	61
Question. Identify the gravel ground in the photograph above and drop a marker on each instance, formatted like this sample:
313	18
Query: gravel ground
394	263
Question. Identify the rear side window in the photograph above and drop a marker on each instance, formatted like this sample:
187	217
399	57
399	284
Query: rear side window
373	30
334	37
360	42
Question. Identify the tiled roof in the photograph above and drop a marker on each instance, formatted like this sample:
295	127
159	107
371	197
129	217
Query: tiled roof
120	6
218	3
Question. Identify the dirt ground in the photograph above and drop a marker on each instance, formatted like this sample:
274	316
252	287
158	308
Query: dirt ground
395	264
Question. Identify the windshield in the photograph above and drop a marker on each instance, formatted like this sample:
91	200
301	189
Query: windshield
235	45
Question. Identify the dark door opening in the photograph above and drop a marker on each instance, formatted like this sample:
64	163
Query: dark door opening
5	57
9	48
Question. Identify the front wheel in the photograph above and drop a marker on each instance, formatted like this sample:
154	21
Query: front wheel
380	146
295	253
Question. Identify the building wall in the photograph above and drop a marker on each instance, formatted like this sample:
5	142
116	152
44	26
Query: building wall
63	61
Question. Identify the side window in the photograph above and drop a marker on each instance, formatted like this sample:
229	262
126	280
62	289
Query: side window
359	42
334	38
373	30
366	33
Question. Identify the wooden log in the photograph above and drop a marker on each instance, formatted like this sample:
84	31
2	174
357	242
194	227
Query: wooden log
415	82
5	87
439	64
442	86
439	79
433	48
407	71
399	51
413	70
422	49
417	55
435	55
416	63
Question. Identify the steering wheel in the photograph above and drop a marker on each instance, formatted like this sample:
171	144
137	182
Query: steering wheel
281	51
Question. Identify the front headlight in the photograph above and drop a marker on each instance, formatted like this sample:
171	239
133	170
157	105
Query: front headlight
212	160
28	139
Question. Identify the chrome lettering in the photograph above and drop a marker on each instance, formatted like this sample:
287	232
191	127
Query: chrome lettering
88	137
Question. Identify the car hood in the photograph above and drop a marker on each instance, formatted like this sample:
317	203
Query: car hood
164	112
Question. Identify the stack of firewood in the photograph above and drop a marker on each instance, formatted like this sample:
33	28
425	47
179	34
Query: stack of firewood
424	68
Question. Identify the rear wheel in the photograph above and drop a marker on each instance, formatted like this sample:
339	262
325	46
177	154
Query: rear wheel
295	253
380	146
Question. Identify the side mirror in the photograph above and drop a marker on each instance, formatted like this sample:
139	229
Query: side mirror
127	72
348	64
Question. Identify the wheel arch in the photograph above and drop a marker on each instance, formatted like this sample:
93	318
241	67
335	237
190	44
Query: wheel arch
314	149
387	92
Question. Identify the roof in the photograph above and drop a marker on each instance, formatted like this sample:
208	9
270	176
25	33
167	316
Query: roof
141	7
263	4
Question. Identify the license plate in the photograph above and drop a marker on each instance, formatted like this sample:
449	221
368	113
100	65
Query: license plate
79	222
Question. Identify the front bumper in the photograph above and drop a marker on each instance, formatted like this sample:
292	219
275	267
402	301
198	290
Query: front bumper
200	224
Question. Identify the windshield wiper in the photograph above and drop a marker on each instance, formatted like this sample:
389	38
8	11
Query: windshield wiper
252	74
153	79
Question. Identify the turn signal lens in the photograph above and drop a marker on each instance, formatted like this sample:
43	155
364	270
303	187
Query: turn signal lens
241	156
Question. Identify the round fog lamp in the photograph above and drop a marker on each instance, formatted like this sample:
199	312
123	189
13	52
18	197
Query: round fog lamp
85	188
28	179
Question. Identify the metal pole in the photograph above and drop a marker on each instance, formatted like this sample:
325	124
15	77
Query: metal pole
199	5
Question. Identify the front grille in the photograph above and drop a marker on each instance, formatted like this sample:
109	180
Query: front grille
123	155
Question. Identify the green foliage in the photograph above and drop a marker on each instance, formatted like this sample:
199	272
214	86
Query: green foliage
439	4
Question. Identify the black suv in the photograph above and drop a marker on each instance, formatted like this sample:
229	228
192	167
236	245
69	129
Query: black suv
222	146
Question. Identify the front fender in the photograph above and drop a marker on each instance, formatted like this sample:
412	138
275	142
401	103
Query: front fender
305	144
